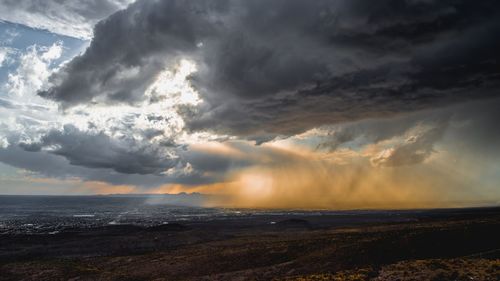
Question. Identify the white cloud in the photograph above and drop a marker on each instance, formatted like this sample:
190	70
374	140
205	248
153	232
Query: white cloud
33	70
71	17
151	130
4	55
3	142
26	116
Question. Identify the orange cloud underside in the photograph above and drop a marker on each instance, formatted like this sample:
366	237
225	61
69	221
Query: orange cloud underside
289	177
293	177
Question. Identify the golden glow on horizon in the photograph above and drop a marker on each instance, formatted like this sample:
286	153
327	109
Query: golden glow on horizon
287	178
255	184
292	177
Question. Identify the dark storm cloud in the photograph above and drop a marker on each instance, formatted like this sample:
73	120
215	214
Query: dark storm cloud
416	149
101	151
49	164
268	68
92	156
52	165
465	129
377	130
477	129
130	48
213	162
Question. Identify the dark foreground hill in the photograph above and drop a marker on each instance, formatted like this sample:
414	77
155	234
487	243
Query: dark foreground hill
430	245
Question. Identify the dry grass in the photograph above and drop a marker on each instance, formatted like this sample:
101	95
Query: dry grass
417	270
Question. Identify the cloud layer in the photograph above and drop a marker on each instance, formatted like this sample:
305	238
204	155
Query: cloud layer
286	102
282	67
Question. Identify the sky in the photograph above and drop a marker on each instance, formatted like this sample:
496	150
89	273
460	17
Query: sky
278	104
